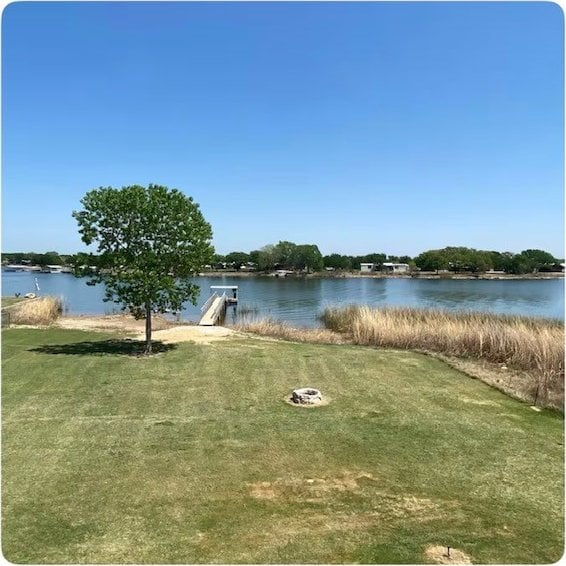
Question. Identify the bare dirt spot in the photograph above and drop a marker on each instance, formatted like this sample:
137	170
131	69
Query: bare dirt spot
385	507
308	489
439	555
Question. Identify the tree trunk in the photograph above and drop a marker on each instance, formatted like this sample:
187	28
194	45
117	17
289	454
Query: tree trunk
147	328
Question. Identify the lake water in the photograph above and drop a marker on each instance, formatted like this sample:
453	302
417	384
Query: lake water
299	301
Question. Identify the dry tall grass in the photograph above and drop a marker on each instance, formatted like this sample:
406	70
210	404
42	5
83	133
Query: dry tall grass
41	311
528	344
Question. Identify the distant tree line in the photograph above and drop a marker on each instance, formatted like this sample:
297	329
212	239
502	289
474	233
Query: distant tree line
283	255
48	258
307	258
458	259
287	255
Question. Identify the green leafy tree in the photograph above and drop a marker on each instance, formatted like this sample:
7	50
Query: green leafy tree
501	261
537	259
338	261
432	260
237	259
307	257
150	241
266	257
218	260
455	259
52	258
255	257
284	254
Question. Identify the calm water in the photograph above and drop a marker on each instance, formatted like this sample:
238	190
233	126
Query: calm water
299	301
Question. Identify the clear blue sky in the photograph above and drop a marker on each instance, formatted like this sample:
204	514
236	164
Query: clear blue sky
361	127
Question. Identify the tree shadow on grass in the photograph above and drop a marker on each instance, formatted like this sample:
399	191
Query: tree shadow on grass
104	348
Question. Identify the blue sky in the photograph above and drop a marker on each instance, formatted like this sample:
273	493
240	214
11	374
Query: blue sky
390	127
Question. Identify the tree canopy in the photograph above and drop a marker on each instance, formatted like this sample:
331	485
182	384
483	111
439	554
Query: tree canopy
468	259
288	255
150	241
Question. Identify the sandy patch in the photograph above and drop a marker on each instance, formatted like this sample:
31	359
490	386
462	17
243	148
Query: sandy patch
163	330
110	322
198	334
439	555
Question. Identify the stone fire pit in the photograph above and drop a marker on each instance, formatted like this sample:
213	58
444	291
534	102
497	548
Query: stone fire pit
306	396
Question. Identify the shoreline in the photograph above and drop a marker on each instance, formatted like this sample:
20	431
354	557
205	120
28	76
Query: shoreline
546	276
422	275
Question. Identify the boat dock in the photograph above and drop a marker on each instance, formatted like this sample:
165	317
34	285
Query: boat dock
215	307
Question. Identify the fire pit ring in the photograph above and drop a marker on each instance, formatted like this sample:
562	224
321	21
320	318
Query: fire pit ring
306	396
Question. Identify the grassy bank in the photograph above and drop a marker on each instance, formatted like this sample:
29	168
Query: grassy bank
531	345
193	455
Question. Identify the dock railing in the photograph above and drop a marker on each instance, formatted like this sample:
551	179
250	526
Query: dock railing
204	307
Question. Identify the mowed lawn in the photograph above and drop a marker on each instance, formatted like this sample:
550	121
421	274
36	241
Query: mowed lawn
193	455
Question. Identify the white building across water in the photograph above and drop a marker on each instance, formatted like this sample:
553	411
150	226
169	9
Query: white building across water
388	267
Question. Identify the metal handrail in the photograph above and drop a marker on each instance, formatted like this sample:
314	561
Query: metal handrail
209	301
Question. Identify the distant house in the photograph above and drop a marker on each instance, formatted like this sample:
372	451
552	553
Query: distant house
248	266
367	267
395	267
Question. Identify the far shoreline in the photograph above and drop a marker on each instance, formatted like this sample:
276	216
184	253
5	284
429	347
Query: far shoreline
420	275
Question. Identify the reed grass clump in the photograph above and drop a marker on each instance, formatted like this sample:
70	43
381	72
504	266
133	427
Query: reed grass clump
41	311
523	343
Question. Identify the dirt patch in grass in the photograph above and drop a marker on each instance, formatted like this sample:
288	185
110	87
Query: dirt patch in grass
308	489
439	555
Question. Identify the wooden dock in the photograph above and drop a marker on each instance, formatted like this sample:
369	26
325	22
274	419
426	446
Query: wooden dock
215	307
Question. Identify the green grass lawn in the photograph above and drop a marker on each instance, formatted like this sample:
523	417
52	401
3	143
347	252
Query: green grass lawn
193	455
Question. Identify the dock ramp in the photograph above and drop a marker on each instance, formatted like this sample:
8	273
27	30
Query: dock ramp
215	307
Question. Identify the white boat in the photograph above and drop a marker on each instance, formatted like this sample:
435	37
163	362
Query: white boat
52	269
